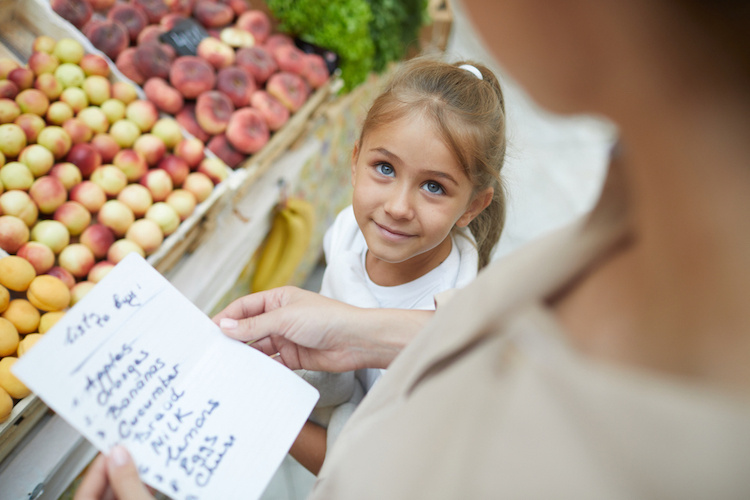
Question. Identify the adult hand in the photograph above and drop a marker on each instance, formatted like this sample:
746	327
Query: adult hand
112	476
313	332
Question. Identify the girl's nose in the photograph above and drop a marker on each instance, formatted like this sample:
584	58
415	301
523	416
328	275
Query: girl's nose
399	205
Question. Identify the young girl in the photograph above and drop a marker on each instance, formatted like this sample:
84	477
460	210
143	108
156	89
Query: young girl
428	207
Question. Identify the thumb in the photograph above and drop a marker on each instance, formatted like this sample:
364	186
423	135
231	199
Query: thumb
123	476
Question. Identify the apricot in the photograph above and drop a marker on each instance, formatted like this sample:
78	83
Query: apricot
49	319
4	298
24	316
48	293
9	382
16	273
6	405
27	343
9	338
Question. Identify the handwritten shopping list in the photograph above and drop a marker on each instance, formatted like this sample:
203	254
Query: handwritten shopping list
136	363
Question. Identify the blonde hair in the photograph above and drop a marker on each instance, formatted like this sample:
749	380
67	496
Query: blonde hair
469	114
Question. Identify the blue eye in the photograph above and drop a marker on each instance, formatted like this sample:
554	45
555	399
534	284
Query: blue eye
433	187
385	169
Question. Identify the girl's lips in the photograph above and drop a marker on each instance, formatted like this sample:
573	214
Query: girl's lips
392	234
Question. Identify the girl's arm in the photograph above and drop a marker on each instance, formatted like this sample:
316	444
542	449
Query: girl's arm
317	333
309	449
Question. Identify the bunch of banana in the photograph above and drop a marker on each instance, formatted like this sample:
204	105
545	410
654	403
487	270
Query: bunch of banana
285	245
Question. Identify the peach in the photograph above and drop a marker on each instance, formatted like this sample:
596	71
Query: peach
150	34
94	117
101	5
289	88
66	278
68	50
49	293
152	60
89	195
258	61
158	182
68	173
98	238
42	62
238	6
97	88
151	147
112	38
256	22
58	113
117	216
176	167
9	110
76	98
75	12
16	175
165	216
211	14
79	291
125	92
187	120
94	64
19	204
131	163
315	71
199	184
113	109
247	131
168	130
76	258
125	132
137	197
70	75
9	340
12	139
16	273
213	109
110	178
121	248
143	113
99	271
52	233
78	131
214	168
31	125
183	202
129	15
48	84
38	158
192	75
10	90
74	216
236	83
86	157
276	40
217	53
22	77
106	145
155	9
125	62
220	146
171	20
163	95
275	113
191	150
146	234
236	38
39	255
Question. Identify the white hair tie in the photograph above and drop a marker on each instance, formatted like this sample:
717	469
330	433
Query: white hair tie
471	69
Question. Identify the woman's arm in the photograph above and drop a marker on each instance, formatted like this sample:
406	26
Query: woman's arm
317	333
309	449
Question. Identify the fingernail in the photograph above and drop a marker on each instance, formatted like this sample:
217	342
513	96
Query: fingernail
228	324
119	456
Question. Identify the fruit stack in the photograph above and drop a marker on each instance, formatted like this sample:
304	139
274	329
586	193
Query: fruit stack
30	304
88	171
238	88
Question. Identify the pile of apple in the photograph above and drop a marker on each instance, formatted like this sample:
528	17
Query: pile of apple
88	171
240	86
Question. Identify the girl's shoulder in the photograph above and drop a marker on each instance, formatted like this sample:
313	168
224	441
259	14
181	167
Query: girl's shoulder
344	234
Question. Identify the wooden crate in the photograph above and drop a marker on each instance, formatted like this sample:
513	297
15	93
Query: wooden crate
434	36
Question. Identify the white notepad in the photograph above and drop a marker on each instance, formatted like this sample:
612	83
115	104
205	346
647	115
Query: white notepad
136	363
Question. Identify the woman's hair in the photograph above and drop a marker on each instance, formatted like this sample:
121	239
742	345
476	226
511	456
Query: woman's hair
469	114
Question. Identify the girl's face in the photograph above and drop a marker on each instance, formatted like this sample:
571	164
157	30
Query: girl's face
409	192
